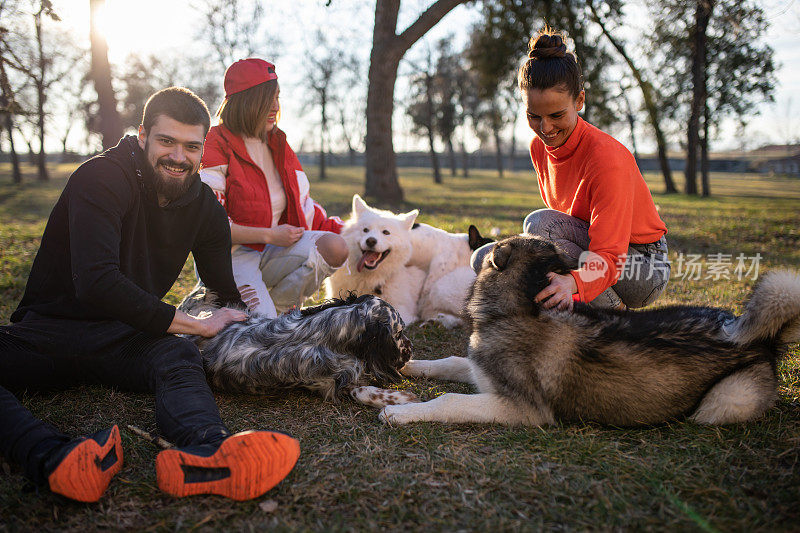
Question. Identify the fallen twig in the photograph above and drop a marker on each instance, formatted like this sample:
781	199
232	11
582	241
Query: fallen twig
158	441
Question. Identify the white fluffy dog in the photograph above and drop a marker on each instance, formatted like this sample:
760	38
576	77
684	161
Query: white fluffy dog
422	271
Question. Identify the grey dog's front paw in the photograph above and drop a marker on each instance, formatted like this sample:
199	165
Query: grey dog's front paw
414	368
394	415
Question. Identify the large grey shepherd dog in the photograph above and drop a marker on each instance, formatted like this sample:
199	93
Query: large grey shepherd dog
537	366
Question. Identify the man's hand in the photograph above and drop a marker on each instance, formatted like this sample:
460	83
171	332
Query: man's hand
211	325
206	325
560	292
285	235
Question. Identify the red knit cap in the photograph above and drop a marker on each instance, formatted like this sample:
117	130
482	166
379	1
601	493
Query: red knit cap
247	73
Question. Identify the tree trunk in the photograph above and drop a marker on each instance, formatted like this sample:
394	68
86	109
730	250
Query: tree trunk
498	152
15	170
464	159
512	154
451	155
387	50
631	117
381	167
7	104
437	172
650	102
110	123
41	160
63	158
31	152
704	179
702	16
323	131
351	153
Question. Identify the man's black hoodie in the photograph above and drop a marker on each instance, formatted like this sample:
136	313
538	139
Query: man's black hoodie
109	252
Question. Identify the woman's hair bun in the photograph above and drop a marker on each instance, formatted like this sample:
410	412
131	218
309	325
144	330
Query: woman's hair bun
546	45
550	64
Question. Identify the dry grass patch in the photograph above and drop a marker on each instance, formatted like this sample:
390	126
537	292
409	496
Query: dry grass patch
357	474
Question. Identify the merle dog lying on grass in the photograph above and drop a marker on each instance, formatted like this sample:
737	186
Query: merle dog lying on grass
330	348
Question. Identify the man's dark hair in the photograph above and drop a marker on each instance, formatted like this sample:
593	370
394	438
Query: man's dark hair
178	103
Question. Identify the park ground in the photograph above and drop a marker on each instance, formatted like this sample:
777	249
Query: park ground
358	474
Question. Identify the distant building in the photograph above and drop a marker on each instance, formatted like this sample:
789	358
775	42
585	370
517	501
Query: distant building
781	165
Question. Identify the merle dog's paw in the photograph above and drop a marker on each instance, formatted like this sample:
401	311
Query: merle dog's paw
375	397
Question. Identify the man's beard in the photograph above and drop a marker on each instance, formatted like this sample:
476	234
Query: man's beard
168	187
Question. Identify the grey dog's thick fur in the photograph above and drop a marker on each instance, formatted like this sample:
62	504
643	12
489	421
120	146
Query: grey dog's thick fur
535	366
328	349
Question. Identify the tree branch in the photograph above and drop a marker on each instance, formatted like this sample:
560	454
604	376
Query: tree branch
425	22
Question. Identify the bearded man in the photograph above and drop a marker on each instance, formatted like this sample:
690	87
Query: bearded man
115	243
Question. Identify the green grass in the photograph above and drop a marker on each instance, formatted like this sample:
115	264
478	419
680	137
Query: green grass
357	474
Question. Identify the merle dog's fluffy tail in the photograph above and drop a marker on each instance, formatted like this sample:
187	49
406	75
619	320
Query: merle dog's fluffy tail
773	311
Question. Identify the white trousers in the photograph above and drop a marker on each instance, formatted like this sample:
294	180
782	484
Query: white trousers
282	276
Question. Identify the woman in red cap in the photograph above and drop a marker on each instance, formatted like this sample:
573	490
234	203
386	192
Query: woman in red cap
284	244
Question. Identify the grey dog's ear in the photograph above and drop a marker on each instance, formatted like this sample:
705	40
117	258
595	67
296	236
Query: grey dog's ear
500	255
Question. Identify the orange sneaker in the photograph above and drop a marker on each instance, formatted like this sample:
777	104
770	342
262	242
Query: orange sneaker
84	468
244	466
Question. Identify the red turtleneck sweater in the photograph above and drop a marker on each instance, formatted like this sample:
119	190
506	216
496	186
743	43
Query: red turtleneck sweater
593	177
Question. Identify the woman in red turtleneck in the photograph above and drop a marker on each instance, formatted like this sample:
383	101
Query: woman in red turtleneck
599	209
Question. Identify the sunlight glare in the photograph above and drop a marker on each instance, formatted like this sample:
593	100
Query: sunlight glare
144	27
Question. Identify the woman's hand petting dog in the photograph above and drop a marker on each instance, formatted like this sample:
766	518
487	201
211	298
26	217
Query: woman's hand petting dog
559	292
249	296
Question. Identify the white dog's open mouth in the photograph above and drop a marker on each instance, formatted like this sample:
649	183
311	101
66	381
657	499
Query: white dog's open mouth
370	259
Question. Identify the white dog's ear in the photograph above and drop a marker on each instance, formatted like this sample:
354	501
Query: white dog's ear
359	206
409	218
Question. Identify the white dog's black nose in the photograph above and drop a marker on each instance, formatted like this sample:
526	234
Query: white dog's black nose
371	242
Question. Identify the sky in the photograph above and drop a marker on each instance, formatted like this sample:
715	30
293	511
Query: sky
168	27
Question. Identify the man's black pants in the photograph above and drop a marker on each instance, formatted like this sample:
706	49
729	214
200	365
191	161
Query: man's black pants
43	353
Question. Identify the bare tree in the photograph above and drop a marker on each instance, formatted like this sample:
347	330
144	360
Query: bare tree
234	29
702	16
8	108
141	77
351	108
630	116
650	97
41	80
713	64
231	30
43	55
448	115
468	102
320	73
388	48
110	125
422	109
492	116
8	104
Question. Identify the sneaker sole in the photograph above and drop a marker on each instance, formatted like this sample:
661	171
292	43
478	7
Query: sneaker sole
245	466
85	472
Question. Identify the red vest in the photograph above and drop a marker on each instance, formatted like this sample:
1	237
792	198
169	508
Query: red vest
247	198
